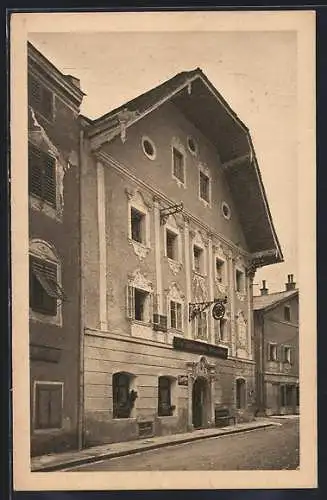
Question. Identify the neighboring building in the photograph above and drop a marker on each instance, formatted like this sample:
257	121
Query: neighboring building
276	330
149	368
54	254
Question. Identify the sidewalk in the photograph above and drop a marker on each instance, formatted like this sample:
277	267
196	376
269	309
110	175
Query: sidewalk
60	461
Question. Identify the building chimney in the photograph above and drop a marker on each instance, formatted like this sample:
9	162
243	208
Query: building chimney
264	290
290	285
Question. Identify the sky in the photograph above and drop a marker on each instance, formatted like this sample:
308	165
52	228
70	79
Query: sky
255	72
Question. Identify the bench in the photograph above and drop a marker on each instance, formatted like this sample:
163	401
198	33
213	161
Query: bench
223	416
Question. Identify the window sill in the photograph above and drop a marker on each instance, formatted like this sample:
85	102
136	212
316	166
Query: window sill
199	274
43	318
205	203
140	249
180	183
175	331
142	323
161	417
52	430
123	419
42	206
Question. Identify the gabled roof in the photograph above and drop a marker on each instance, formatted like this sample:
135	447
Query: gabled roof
272	300
200	102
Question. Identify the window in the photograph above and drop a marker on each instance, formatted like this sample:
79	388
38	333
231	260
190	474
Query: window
287	354
204	187
45	290
220	268
287	313
192	145
272	352
201	325
223	330
282	395
148	148
123	400
176	315
178	165
171	245
42	175
225	210
240	393
297	396
289	395
165	409
197	259
48	405
40	98
239	281
141	303
137	225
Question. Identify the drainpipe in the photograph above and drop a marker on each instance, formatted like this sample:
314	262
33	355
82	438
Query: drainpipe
263	364
81	314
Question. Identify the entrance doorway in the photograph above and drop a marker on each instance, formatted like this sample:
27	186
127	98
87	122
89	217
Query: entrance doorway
199	403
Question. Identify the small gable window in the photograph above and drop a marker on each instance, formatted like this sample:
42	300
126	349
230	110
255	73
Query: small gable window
287	313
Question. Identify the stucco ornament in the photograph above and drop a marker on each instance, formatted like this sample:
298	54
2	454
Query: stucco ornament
174	266
139	280
125	116
202	368
140	250
241	331
199	290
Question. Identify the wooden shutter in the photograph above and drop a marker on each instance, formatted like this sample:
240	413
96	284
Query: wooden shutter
130	301
34	171
49	178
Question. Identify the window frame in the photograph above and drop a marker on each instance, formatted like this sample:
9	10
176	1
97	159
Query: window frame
180	151
179	313
204	172
287	354
127	409
49	384
273	345
165	409
203	316
200	269
240	286
287	316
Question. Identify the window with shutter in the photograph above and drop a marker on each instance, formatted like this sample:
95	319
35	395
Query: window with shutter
48	405
42	175
204	187
40	98
178	165
45	290
176	315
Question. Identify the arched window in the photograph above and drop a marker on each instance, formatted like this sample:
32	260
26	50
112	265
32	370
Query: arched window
240	393
165	408
123	396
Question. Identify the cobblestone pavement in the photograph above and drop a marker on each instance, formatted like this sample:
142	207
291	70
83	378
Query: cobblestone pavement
273	448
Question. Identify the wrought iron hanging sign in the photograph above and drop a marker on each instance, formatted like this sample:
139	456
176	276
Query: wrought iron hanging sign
166	212
218	310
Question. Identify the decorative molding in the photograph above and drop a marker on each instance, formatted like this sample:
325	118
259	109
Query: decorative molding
174	293
202	368
140	250
199	289
241	331
139	280
175	266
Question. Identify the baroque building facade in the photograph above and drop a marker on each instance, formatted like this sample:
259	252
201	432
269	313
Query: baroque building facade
173	217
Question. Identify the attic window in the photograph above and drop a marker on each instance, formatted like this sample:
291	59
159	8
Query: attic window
148	148
192	145
225	210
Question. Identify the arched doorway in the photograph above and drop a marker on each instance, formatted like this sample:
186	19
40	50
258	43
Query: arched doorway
199	402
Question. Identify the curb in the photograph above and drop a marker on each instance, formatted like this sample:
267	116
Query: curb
115	454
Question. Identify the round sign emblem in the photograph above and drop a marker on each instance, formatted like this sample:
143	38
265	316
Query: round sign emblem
218	310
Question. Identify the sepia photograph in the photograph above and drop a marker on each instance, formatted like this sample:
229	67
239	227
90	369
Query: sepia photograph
163	218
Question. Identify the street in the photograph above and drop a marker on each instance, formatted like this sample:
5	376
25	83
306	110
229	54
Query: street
272	448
